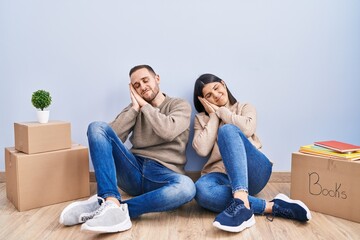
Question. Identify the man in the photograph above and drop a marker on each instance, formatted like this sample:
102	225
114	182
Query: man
151	171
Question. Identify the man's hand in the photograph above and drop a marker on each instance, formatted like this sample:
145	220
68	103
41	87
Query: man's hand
136	99
209	107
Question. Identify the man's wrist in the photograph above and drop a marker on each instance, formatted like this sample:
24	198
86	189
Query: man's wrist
136	108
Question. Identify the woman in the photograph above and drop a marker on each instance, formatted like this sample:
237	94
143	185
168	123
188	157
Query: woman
236	170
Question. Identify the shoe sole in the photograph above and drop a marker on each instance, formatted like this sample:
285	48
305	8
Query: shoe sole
239	228
111	229
75	204
287	199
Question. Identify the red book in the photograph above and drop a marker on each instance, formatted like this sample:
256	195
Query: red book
338	146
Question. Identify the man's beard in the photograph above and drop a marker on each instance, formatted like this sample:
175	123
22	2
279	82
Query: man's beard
153	95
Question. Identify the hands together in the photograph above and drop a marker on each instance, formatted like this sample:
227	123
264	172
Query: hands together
209	107
136	99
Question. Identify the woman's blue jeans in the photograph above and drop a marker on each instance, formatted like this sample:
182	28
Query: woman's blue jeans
247	169
155	187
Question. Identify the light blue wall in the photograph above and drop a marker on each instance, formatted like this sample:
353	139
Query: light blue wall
298	62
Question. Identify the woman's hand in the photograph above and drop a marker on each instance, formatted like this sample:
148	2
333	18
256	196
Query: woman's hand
209	107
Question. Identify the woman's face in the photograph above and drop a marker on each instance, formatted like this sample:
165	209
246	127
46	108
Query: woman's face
216	93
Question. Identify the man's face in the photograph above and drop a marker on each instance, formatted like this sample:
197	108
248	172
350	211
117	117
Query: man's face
145	83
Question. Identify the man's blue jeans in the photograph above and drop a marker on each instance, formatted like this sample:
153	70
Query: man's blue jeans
155	187
247	169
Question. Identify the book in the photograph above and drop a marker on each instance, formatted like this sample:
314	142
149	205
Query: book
338	146
325	152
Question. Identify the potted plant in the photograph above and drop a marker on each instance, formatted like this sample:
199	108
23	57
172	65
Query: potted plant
41	99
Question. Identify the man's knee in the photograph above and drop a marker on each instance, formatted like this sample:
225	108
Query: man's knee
187	188
96	126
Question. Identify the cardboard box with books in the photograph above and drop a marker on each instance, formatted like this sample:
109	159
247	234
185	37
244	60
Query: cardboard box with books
326	184
41	179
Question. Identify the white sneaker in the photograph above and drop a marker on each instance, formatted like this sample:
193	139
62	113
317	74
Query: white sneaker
80	212
109	218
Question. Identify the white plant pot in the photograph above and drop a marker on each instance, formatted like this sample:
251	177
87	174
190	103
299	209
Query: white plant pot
43	116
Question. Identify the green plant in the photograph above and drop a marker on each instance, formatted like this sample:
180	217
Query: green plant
41	99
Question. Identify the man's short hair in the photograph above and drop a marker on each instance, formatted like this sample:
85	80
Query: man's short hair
150	69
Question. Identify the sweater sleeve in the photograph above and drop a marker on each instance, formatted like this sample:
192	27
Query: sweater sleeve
124	122
205	134
245	120
171	125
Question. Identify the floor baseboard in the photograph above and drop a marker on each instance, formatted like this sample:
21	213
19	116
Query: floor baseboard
278	177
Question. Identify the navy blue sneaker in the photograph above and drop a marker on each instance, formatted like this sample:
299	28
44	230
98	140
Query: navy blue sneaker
291	209
235	218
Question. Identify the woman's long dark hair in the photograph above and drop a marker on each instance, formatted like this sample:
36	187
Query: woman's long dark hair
199	85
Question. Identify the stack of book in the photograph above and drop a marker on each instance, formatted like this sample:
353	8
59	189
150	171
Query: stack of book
333	149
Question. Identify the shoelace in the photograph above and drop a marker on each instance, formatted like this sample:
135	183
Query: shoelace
232	208
100	209
122	207
287	213
93	213
282	212
270	217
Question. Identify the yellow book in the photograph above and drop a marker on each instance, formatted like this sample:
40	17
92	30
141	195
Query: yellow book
320	151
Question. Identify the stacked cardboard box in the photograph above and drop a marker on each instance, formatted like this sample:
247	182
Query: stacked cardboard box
326	185
44	167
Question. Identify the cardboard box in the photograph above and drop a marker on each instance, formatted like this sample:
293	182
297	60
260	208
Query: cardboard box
34	137
37	180
326	185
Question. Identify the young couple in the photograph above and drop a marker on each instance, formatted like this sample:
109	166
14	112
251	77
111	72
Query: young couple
152	170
